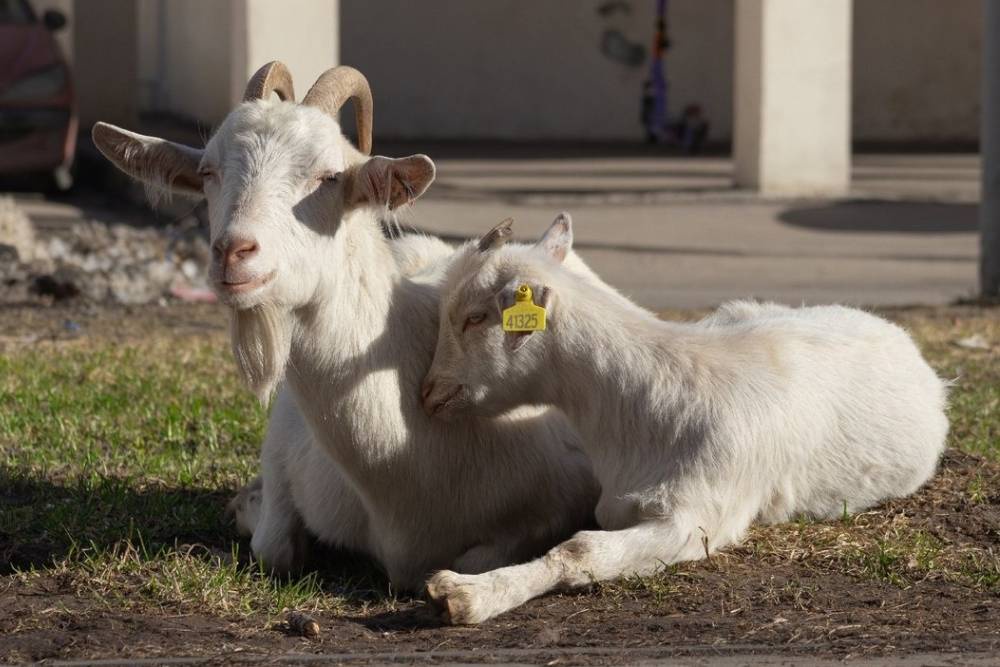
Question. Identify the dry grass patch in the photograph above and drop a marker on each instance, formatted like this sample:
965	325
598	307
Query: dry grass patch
120	444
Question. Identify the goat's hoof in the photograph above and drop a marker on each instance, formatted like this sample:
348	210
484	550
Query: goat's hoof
453	598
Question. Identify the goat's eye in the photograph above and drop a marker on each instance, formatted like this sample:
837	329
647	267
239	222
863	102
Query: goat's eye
473	320
206	172
331	177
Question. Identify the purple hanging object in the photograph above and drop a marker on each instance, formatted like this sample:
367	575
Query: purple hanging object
656	120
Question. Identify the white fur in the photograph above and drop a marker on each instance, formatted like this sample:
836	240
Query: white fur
758	412
341	323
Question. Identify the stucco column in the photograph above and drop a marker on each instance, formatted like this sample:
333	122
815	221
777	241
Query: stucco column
792	101
303	34
989	207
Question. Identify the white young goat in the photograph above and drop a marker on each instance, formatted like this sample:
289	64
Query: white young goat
319	301
758	412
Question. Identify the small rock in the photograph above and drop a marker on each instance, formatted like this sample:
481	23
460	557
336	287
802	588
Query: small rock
974	342
189	268
102	262
302	624
17	230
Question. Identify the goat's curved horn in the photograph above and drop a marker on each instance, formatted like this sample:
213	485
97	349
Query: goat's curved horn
333	88
273	77
497	236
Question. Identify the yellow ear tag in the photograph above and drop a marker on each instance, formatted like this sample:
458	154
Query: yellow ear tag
524	315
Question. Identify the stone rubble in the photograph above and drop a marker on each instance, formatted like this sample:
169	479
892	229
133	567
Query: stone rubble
97	261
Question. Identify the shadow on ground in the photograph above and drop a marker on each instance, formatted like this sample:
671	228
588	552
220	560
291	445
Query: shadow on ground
44	520
881	216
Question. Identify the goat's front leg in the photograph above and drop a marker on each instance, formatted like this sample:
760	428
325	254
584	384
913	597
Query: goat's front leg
279	537
587	557
244	508
279	540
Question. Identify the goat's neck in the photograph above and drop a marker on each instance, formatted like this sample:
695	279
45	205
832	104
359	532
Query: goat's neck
350	341
350	307
612	368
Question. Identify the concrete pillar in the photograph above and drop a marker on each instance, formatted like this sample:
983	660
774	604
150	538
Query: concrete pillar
304	34
105	66
989	142
792	103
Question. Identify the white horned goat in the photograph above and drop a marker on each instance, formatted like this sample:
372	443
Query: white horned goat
322	312
695	430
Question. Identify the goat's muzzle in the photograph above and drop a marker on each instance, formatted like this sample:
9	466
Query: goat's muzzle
230	256
437	397
230	266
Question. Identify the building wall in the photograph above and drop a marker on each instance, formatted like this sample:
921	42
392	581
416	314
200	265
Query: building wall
444	68
522	70
195	57
447	68
184	54
916	70
104	60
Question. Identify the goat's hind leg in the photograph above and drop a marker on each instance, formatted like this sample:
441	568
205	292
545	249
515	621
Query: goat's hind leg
587	557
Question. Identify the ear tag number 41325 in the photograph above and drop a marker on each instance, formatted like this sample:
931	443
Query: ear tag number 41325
524	315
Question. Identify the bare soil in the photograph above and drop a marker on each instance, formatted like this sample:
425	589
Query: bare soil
781	592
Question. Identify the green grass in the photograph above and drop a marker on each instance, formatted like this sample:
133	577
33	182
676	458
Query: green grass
108	440
975	397
116	462
117	459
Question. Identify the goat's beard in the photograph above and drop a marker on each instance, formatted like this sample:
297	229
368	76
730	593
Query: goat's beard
261	340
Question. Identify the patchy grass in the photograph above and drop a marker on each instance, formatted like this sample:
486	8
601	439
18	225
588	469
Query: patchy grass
119	449
129	576
116	462
975	399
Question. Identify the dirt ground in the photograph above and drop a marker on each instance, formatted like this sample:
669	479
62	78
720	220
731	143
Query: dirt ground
731	604
788	593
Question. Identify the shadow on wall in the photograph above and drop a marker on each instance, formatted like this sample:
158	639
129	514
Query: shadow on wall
886	216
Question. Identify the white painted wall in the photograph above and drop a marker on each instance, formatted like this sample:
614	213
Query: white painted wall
917	65
210	49
105	43
513	69
447	68
193	78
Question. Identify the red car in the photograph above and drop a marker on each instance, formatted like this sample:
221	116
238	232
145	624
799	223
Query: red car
38	121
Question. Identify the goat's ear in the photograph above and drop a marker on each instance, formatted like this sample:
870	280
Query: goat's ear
383	181
156	162
542	296
557	240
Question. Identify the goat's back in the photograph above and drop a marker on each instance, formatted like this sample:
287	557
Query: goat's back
859	415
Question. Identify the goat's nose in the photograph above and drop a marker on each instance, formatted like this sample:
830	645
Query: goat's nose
235	250
434	402
426	389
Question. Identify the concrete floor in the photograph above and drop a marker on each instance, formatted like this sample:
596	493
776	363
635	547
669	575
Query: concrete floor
672	231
